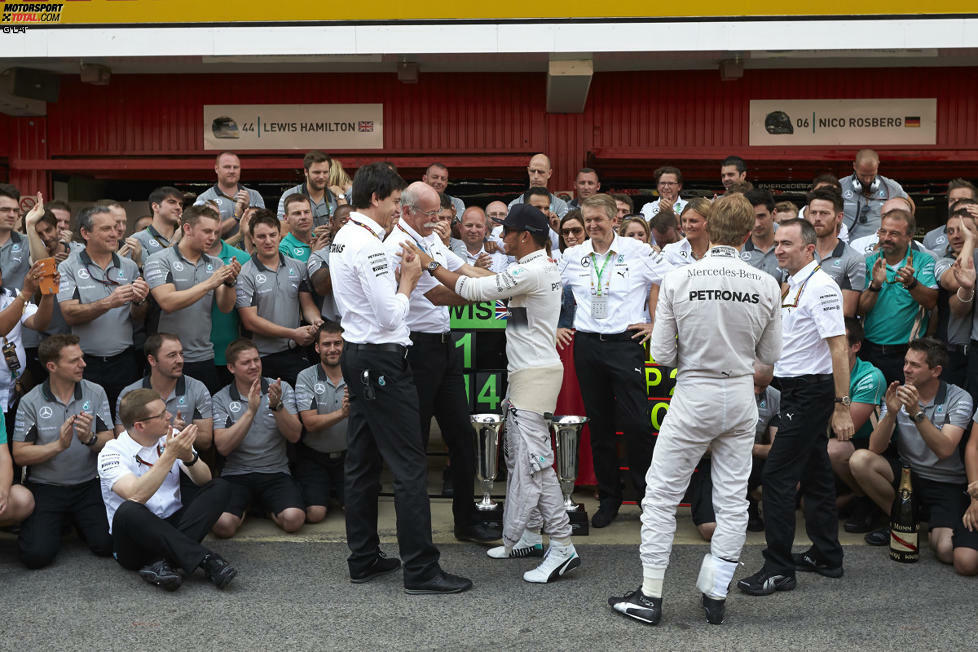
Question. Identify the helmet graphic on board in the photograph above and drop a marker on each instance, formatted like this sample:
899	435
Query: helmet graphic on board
777	123
224	127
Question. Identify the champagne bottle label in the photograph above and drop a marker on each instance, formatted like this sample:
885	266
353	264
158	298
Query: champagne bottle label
902	539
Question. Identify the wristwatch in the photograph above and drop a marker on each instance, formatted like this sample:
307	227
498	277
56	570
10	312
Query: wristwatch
432	266
276	407
91	442
874	289
192	461
919	417
844	400
912	284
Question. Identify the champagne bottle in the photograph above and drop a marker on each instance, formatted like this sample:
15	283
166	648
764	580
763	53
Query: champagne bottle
903	523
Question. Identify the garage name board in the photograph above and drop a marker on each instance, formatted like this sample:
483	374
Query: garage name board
293	126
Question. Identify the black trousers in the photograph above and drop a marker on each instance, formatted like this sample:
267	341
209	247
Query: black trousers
956	369
384	427
54	506
284	364
140	537
205	372
611	374
971	383
888	359
799	454
437	371
113	373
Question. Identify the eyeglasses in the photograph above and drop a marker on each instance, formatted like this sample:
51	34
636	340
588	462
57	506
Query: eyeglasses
429	214
572	231
155	416
668	183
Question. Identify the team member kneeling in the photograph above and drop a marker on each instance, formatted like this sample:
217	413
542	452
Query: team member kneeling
152	530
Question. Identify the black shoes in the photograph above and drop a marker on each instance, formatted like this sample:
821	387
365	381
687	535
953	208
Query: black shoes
863	516
808	562
715	610
765	582
479	533
441	583
381	565
638	606
605	515
218	570
880	537
161	574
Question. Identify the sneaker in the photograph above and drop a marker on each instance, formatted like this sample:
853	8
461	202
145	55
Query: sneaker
715	610
519	551
605	515
863	516
218	570
558	561
638	606
765	582
381	565
880	537
807	562
161	574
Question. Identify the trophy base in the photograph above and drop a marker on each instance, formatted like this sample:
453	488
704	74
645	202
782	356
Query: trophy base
491	517
580	524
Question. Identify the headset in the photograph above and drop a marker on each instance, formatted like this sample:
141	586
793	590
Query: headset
874	187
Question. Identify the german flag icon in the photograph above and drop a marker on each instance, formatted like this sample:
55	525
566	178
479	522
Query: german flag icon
912	121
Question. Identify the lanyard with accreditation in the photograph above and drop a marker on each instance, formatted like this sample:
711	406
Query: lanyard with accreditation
599	299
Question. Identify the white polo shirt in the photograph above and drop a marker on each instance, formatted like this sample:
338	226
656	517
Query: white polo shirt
627	271
811	311
679	253
498	264
123	456
423	316
371	310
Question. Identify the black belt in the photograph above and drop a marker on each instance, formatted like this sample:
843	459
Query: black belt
886	349
438	338
389	348
960	348
106	358
804	379
625	336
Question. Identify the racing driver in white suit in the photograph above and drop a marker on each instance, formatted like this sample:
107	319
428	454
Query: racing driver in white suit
726	314
533	288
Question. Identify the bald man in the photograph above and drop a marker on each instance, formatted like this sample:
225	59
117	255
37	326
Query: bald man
867	244
474	231
539	171
865	192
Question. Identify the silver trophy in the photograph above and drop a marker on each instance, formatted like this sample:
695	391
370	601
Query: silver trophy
487	427
567	435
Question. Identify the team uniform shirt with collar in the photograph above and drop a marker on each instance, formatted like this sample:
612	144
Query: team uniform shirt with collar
124	456
314	390
866	385
611	289
8	376
81	279
192	323
557	205
811	311
950	406
317	260
719	294
846	266
762	260
152	241
263	449
499	261
225	326
364	286
14	261
892	318
320	210
189	398
952	328
678	253
293	247
862	213
276	295
423	316
768	414
40	416
226	203
651	209
935	241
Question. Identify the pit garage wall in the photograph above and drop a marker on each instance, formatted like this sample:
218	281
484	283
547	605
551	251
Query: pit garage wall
484	125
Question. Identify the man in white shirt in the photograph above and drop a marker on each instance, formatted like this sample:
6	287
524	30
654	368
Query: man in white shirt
384	421
814	368
152	529
668	183
474	230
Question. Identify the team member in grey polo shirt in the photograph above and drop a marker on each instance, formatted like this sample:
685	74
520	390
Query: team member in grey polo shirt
936	240
272	293
166	205
102	297
321	200
185	282
324	407
955	303
758	251
254	417
232	198
14	253
864	192
845	265
539	171
62	424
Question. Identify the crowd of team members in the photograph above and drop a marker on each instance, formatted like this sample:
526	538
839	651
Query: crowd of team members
126	389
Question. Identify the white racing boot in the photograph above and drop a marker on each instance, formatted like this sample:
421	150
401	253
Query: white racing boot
529	545
559	560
